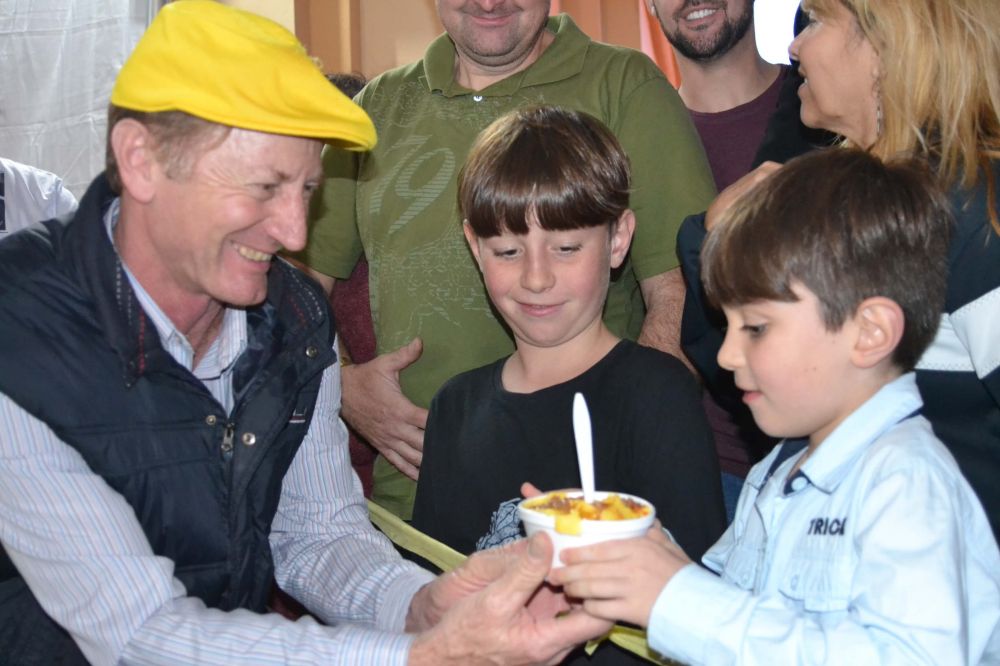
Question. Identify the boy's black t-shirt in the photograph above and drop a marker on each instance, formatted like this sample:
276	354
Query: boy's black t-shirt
651	439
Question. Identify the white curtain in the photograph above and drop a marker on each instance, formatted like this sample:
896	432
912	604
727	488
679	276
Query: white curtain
58	62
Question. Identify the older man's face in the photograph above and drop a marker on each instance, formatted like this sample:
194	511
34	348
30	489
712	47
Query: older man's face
215	230
703	30
494	33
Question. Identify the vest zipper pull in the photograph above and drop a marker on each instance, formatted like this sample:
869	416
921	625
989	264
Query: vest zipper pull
227	439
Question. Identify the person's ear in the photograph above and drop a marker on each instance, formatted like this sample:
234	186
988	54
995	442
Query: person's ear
133	146
621	237
880	323
473	240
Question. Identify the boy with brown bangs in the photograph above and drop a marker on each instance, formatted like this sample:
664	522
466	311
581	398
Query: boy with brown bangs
544	197
857	540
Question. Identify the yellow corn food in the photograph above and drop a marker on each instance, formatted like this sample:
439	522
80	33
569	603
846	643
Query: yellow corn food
570	510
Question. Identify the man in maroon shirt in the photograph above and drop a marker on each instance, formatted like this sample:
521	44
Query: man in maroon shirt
730	90
731	93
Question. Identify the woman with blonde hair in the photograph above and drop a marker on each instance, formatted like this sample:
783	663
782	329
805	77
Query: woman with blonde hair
934	84
919	77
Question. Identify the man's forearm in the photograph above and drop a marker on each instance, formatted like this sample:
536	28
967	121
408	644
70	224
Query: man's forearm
664	297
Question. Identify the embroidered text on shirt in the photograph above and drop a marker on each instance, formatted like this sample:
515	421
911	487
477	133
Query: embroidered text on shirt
827	526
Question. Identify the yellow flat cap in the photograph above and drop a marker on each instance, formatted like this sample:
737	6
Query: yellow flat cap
236	68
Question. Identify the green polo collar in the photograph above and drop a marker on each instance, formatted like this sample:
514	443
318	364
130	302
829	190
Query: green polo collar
562	59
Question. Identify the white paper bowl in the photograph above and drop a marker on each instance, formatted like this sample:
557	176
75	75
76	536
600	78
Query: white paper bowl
591	531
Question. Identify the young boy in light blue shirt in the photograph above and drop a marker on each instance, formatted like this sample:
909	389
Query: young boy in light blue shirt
857	540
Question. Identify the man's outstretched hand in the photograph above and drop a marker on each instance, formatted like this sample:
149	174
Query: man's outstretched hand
497	609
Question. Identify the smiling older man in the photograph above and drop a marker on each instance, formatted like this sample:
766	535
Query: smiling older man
170	438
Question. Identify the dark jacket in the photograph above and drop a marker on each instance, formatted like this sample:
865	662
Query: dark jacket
81	355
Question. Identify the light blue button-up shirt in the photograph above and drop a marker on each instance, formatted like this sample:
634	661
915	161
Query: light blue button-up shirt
876	551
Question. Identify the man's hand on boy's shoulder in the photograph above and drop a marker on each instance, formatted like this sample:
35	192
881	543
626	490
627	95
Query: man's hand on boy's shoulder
621	580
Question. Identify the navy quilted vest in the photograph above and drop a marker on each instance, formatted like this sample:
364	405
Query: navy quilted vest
79	354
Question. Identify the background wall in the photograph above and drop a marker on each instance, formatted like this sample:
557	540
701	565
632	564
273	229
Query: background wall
59	58
280	11
375	35
412	24
58	62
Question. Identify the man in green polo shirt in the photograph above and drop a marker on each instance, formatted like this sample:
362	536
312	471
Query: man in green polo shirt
397	205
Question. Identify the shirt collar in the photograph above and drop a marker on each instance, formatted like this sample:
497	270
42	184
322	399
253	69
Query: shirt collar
838	453
225	349
563	59
789	448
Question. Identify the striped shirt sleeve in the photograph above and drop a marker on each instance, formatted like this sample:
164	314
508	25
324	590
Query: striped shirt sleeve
85	557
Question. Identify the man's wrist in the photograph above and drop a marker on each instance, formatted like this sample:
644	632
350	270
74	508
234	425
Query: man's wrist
420	616
430	649
433	645
347	392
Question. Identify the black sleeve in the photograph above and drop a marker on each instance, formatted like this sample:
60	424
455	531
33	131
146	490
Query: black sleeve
453	503
703	329
672	461
702	326
436	478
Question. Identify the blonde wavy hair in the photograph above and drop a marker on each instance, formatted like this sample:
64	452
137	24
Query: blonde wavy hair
940	91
